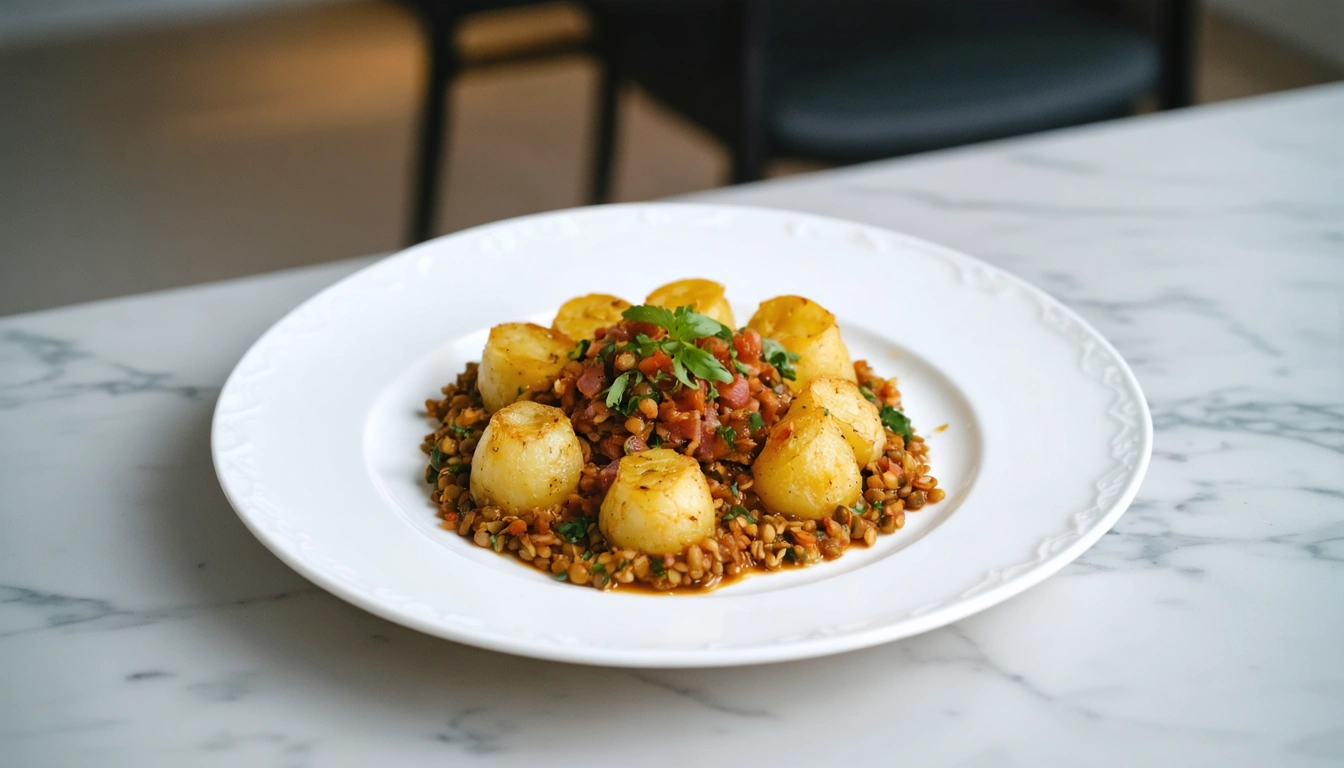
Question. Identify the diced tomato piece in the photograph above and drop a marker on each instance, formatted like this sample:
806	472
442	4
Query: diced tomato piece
658	361
736	393
748	346
690	399
648	329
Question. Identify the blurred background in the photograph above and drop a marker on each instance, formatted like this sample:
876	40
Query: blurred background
146	144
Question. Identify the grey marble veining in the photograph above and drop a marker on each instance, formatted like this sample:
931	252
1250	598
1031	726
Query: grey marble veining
141	624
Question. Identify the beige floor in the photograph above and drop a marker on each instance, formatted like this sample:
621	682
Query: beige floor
155	158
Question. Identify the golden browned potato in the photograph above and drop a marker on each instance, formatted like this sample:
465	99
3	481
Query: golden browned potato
580	317
703	296
807	468
808	330
658	504
518	357
840	399
528	457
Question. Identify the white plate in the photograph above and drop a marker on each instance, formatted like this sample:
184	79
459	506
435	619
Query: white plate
316	435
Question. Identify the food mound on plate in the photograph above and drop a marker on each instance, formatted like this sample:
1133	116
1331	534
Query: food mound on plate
652	446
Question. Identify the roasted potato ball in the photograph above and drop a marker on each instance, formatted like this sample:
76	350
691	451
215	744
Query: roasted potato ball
518	357
807	468
703	296
841	400
658	504
527	457
580	317
808	330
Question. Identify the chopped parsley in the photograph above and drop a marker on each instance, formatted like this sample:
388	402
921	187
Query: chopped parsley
617	388
561	576
896	421
734	489
738	510
654	440
756	422
495	543
728	434
573	530
461	432
458	468
656	565
781	358
431	474
599	569
868	394
588	555
580	349
436	457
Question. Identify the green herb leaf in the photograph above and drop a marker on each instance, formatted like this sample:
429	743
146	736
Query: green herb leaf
461	432
868	394
573	530
781	358
656	565
588	555
495	543
458	468
737	510
741	366
561	576
580	349
654	440
756	422
431	475
599	569
689	325
436	457
679	371
648	313
896	421
643	346
617	389
734	489
703	364
728	434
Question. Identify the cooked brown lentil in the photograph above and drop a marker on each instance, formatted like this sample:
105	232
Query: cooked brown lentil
564	540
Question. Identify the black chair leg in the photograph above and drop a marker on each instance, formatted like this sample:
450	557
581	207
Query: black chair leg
443	67
604	139
748	162
1178	33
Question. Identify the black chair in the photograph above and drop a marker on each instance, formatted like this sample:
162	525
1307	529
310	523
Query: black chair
842	80
850	80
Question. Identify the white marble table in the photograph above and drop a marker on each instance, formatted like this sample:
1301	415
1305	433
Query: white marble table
140	623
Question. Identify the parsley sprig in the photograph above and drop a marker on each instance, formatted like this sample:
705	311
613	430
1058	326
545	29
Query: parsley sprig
573	530
776	355
684	327
896	421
